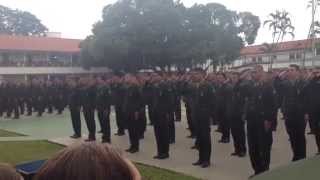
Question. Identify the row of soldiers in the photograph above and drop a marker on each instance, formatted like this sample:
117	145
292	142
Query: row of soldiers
231	100
244	105
38	95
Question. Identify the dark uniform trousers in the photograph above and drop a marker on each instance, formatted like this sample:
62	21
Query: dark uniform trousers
177	108
29	106
172	127
189	119
151	113
224	125
120	118
143	122
203	138
296	126
161	131
312	121
238	134
104	120
16	110
316	121
134	130
49	105
21	106
91	125
259	143
9	108
76	120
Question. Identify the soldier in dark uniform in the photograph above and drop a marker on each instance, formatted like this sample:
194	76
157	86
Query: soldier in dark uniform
22	98
60	96
224	125
143	114
74	102
132	105
313	101
39	100
88	104
162	101
16	99
260	103
103	103
294	110
171	106
177	98
29	98
203	103
148	92
235	110
9	103
187	98
118	93
49	96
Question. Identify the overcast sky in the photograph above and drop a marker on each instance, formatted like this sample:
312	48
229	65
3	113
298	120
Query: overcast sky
74	18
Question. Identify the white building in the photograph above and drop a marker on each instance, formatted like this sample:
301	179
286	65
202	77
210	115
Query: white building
291	52
25	56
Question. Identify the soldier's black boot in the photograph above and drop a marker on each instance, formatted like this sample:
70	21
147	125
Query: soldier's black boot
75	136
205	164
198	163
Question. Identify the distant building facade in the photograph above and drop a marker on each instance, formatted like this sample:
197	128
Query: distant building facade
25	56
291	52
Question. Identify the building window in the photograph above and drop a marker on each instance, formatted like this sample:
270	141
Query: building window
291	56
298	55
318	51
260	59
274	57
254	59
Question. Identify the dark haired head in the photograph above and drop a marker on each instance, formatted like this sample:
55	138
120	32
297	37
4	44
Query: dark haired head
88	161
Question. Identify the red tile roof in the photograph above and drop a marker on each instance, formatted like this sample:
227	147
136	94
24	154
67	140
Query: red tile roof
39	44
284	46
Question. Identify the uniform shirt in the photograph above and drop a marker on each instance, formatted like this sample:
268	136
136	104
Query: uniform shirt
103	98
74	99
259	101
294	106
89	97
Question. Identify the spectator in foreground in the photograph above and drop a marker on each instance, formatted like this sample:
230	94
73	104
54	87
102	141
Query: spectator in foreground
88	161
8	173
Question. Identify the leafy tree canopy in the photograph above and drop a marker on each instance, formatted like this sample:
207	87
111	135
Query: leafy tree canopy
16	22
141	34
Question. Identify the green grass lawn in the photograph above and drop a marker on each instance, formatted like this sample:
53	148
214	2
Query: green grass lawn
302	170
5	133
15	152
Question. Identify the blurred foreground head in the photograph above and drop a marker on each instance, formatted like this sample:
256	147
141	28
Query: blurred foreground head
88	161
8	173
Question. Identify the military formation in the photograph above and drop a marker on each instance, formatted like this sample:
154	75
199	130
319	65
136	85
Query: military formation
244	105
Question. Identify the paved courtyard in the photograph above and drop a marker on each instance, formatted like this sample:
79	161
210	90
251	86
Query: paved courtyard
57	128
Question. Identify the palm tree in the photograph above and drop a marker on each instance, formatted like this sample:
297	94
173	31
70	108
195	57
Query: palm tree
280	24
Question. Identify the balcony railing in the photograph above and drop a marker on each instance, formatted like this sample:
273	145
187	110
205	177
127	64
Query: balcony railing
40	64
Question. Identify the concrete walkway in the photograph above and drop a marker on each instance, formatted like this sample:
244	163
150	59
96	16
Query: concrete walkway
57	128
224	166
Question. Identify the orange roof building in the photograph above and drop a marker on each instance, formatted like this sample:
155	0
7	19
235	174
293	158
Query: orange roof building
39	44
22	56
291	52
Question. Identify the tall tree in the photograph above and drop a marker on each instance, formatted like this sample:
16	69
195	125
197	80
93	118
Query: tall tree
280	26
16	22
136	34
